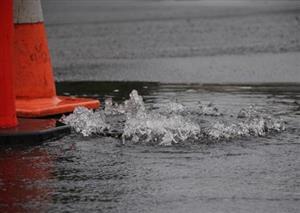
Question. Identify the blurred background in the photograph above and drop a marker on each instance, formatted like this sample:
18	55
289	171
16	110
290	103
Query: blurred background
198	41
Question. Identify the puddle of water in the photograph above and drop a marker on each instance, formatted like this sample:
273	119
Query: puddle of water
169	148
171	122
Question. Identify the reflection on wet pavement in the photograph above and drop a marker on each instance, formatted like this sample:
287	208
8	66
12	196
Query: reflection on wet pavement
247	174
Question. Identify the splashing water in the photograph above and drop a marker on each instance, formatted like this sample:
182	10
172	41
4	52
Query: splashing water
254	126
86	122
210	110
170	123
178	108
132	106
250	121
153	127
150	127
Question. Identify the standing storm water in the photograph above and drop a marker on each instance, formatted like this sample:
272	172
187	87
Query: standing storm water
171	148
173	122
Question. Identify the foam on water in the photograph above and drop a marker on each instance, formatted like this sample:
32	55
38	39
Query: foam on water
171	122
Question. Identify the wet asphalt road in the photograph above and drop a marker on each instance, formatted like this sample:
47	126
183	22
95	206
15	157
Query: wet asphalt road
175	41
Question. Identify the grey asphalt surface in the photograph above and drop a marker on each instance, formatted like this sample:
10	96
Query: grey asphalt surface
229	41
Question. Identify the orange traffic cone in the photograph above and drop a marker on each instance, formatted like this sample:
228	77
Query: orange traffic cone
7	97
34	82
